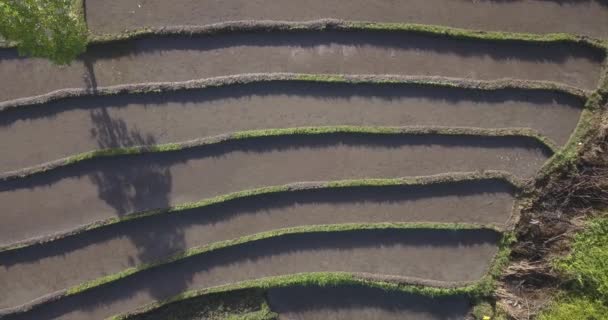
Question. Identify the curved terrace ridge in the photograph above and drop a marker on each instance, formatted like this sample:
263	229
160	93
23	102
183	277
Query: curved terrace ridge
35	134
344	247
548	146
181	57
503	178
345	25
110	185
95	252
587	17
252	78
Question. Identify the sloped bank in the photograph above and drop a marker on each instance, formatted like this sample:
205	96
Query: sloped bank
104	185
35	133
89	255
351	248
342	49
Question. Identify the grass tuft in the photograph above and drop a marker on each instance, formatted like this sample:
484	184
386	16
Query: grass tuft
575	308
586	271
587	264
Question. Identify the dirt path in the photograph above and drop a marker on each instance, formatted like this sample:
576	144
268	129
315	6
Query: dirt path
588	17
25	274
435	255
359	302
186	58
36	135
94	190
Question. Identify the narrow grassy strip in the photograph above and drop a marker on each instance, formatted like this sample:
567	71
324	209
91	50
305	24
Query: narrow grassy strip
264	314
242	79
475	291
342	25
336	24
449	82
447	178
468	34
428	286
525	133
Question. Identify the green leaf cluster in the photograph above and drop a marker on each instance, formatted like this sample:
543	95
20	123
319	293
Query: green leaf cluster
587	267
53	29
588	262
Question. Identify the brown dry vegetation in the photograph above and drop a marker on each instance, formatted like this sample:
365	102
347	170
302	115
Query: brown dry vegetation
561	202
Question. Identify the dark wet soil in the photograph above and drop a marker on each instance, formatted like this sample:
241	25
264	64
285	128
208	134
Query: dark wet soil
38	134
25	274
186	58
588	17
360	302
428	254
67	197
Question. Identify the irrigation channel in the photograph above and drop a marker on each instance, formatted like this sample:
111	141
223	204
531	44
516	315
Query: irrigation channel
336	156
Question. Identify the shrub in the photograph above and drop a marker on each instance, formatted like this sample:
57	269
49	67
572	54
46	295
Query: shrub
53	29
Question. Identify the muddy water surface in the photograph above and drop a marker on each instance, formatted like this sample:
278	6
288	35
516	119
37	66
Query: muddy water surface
25	274
38	134
186	58
362	303
588	17
428	254
99	189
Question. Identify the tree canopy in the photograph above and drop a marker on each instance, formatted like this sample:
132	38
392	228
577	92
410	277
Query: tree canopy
52	29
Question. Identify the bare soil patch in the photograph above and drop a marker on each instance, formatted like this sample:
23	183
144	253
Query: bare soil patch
25	273
94	190
38	134
182	58
431	254
586	17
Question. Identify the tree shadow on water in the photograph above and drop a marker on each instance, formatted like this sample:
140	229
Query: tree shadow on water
134	188
89	78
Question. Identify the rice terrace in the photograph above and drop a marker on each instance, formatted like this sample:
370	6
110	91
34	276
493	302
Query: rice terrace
335	159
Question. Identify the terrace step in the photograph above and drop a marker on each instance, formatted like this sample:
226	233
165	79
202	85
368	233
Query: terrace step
91	190
35	134
180	58
24	273
444	256
586	17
